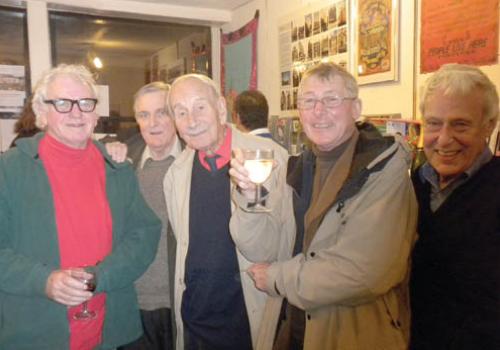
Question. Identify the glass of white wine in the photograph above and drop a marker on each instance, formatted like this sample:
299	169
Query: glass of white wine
259	163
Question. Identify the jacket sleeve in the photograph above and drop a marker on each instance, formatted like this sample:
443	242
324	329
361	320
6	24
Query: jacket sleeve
136	249
266	237
20	274
370	255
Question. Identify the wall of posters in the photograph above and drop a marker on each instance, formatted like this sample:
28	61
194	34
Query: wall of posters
306	37
463	31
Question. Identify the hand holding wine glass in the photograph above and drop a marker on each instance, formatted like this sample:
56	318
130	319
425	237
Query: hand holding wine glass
89	279
258	164
65	287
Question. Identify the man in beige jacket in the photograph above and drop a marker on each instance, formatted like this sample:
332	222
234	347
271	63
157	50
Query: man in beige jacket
216	304
335	245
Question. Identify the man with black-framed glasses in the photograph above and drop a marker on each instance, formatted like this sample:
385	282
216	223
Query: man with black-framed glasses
335	245
70	215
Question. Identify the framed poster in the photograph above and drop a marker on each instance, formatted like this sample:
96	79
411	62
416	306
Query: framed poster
376	35
463	31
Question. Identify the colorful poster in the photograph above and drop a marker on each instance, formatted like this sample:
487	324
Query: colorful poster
463	31
374	30
239	61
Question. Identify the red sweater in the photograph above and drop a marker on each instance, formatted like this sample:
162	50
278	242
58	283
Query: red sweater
84	225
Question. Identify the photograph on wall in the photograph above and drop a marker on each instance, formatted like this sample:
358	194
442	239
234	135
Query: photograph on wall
325	39
376	40
12	90
460	32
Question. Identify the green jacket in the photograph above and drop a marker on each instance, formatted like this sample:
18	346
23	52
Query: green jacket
29	252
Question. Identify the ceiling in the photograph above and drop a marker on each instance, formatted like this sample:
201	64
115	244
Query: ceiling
214	4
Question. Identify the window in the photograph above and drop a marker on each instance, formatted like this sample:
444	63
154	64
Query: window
14	63
126	53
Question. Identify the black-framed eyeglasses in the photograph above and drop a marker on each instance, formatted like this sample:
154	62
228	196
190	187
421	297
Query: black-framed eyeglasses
327	101
65	105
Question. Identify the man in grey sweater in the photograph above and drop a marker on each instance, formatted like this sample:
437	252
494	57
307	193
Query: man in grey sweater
152	155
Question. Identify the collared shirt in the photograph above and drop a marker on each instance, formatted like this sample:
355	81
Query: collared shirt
224	152
174	152
259	131
438	195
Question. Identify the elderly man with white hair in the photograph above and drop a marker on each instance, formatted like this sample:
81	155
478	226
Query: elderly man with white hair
76	231
455	280
216	304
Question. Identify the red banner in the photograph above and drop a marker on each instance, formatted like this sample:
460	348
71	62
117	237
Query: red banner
463	31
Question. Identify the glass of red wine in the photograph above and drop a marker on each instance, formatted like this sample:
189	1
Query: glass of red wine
85	313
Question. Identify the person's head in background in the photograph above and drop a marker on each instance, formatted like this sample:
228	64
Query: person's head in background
251	111
328	105
26	124
459	108
64	102
199	112
155	123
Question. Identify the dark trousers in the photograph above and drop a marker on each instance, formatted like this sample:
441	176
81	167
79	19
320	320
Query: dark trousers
157	335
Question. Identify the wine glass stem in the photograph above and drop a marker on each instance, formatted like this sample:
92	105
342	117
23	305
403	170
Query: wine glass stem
257	195
84	308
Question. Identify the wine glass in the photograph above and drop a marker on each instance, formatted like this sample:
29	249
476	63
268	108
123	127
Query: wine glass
85	313
259	163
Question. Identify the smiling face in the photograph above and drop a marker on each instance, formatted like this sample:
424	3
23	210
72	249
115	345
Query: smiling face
454	133
75	128
199	114
326	127
157	127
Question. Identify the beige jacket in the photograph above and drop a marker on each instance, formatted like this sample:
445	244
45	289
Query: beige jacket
351	281
177	186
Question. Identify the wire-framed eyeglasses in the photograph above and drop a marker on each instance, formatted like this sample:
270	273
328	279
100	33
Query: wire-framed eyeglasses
327	101
65	105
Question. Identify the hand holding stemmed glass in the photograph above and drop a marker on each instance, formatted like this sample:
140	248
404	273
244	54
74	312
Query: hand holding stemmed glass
90	282
250	168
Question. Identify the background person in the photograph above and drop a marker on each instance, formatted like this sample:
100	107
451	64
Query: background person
455	280
66	204
26	124
251	113
335	246
216	305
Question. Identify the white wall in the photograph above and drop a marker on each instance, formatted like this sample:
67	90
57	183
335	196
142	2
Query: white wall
382	98
394	97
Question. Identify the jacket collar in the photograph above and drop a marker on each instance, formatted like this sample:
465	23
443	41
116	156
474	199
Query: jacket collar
371	149
30	145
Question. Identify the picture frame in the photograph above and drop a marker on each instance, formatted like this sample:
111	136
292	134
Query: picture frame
376	40
176	69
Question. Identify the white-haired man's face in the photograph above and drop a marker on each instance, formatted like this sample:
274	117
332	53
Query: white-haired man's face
455	133
75	127
199	115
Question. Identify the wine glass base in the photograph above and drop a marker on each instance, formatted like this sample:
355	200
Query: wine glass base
257	209
85	315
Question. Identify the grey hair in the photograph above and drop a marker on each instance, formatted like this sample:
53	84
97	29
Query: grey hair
155	86
460	80
214	88
327	72
77	72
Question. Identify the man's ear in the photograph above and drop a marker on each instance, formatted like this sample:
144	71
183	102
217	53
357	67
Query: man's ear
357	106
222	108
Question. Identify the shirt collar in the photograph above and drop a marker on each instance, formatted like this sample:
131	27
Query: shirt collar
224	151
259	131
427	172
174	152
